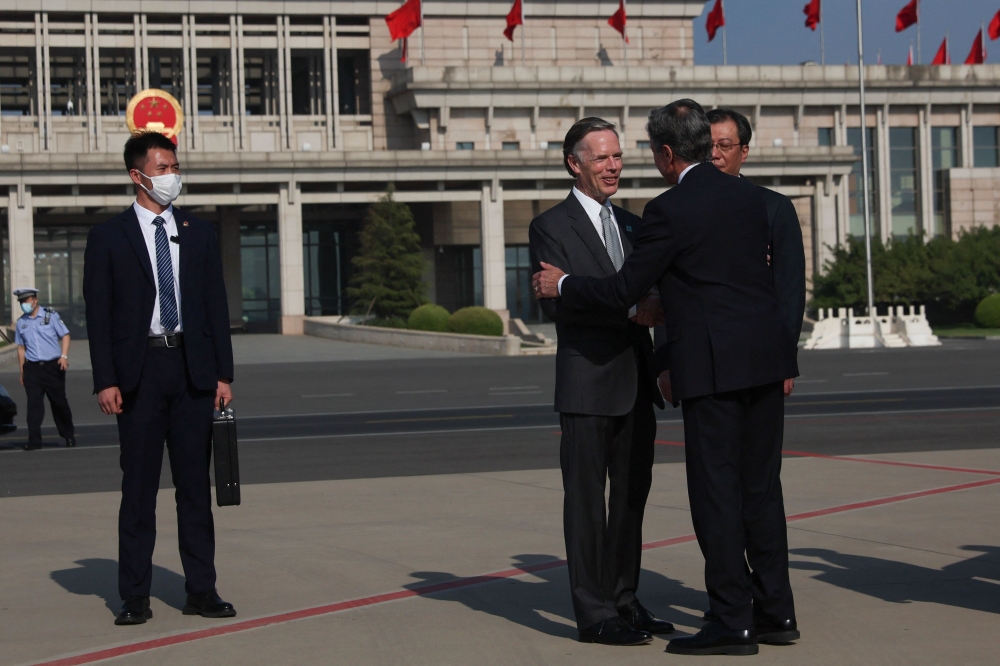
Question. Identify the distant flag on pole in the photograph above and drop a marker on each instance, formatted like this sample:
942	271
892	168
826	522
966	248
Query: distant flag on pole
977	55
907	16
942	57
995	27
716	19
909	57
812	14
514	18
618	20
403	22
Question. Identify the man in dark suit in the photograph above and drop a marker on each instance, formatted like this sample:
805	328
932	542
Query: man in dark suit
704	242
162	358
731	134
605	391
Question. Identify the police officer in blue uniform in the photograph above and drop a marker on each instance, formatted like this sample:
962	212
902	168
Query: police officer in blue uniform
43	352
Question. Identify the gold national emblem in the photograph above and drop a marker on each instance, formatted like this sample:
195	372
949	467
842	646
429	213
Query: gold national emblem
156	111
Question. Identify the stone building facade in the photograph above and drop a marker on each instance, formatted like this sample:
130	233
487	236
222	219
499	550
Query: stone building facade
301	113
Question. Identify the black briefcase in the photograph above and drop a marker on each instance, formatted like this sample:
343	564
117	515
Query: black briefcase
227	463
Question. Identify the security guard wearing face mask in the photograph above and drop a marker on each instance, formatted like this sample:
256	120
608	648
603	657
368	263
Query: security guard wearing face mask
42	341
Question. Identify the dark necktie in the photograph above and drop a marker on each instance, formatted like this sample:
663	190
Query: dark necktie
165	276
611	241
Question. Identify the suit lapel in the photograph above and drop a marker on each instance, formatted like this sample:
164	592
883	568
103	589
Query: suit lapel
183	234
584	228
134	234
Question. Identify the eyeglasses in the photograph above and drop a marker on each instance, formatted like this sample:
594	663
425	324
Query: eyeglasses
726	147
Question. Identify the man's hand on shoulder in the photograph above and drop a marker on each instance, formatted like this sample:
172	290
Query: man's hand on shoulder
546	282
649	311
110	400
224	392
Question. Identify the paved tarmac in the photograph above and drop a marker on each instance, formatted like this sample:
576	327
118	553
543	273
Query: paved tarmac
408	510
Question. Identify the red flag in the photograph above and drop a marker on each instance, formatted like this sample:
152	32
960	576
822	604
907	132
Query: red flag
942	57
907	16
909	56
812	14
977	56
995	27
514	19
404	20
716	19
618	20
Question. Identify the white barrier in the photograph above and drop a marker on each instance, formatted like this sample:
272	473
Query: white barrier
898	328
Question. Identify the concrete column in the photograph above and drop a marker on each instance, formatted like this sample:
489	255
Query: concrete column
96	64
232	263
882	173
825	226
293	296
926	173
21	235
492	245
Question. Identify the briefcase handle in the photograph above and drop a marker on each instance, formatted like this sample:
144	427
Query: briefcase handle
222	405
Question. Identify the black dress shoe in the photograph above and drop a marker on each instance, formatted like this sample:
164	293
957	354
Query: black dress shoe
71	441
135	610
714	638
639	618
208	604
614	632
31	446
776	633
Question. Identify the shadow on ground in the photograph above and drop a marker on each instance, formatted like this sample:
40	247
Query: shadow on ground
99	577
528	602
970	583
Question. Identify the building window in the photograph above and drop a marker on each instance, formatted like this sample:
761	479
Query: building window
521	302
214	87
166	71
458	276
986	151
854	184
904	189
465	145
117	83
322	266
260	80
642	145
944	156
512	145
17	83
354	82
68	76
59	273
308	95
261	281
824	136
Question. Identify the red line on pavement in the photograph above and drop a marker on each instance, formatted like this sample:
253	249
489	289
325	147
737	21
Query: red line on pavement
423	590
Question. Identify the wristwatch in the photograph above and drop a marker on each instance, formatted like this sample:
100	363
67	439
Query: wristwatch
64	356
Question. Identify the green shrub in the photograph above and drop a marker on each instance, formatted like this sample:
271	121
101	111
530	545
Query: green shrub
389	322
429	317
988	312
476	321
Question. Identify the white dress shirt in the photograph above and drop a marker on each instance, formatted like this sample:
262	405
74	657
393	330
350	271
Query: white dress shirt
684	173
146	218
593	209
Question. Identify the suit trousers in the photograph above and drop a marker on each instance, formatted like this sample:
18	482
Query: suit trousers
733	452
165	407
604	546
44	378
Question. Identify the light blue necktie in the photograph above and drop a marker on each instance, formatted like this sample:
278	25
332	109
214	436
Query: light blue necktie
165	274
611	243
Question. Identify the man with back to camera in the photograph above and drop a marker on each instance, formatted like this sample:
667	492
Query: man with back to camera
731	134
162	358
704	242
43	353
605	391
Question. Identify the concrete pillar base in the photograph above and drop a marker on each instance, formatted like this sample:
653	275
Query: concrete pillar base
292	324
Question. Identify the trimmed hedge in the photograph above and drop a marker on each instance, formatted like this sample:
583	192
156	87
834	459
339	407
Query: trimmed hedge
988	312
429	317
476	321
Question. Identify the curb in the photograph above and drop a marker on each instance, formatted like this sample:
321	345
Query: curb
329	327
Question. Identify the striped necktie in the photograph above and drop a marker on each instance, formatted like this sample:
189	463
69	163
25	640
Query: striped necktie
611	241
165	277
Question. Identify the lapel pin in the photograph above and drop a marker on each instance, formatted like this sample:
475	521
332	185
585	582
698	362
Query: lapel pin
628	228
184	223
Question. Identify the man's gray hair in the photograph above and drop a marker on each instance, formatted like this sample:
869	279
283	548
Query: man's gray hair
580	129
684	127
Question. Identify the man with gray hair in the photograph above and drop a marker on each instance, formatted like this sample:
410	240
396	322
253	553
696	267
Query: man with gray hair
605	391
704	243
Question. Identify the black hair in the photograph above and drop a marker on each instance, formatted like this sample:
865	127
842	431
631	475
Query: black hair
682	125
580	129
139	145
743	131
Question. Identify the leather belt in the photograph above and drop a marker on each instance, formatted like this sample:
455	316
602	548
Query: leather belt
169	341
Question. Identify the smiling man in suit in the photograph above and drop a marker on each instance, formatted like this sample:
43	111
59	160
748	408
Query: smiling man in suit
162	358
605	391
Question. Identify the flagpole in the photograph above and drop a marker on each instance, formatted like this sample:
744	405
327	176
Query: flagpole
625	39
982	40
864	164
421	32
522	32
822	38
918	32
725	56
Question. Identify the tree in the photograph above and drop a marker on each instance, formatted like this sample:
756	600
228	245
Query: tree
389	267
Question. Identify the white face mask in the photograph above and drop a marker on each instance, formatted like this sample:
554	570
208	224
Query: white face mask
166	188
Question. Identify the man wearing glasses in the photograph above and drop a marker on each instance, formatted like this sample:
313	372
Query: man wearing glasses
731	136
